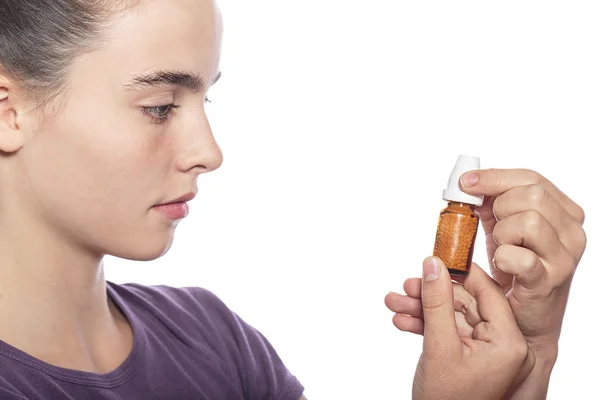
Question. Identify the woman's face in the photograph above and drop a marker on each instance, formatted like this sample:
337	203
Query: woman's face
118	147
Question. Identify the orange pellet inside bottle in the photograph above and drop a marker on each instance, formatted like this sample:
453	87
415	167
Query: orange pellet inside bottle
455	237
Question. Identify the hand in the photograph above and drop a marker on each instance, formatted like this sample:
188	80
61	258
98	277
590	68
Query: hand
484	364
535	240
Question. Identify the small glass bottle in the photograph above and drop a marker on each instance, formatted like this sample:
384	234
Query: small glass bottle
458	222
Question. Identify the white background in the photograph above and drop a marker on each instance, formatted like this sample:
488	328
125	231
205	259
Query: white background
340	122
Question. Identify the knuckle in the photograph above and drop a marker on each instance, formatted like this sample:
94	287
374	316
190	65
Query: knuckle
535	178
537	195
533	222
519	353
482	331
431	301
514	350
582	241
579	214
495	178
528	260
579	244
561	276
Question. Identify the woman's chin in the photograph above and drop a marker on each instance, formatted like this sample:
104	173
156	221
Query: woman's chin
149	248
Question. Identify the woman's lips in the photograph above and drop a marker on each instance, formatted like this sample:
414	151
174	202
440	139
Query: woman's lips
177	208
173	211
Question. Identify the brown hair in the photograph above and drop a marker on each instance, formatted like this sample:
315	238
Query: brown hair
40	39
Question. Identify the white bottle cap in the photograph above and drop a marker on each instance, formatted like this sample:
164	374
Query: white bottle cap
453	193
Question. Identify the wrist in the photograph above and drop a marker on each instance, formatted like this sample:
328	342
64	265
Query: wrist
535	386
545	354
544	346
543	367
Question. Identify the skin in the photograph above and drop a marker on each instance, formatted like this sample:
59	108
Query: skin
535	240
79	180
485	363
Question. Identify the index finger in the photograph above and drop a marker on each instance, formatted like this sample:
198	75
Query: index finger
494	182
491	302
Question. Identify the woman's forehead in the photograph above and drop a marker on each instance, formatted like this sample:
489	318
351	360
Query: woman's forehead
166	35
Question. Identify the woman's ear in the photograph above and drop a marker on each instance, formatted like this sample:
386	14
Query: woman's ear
11	137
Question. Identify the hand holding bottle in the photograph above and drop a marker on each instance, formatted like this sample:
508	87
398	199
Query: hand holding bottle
533	234
485	364
535	240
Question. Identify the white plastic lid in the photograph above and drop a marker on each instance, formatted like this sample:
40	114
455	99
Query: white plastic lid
452	192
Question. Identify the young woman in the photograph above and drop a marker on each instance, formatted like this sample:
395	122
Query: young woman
103	136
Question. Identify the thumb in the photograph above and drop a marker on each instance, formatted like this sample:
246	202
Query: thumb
437	297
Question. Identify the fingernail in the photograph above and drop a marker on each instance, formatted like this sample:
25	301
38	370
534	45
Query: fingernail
469	179
431	269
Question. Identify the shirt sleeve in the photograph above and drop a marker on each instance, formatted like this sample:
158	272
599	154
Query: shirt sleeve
261	371
7	394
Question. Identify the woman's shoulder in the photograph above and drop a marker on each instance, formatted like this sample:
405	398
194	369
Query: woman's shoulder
190	306
167	295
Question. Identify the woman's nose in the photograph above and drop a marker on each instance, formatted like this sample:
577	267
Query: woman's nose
199	151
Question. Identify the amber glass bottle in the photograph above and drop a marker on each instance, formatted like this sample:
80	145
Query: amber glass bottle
458	222
455	238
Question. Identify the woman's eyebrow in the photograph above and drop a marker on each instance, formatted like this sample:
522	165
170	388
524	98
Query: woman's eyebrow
164	78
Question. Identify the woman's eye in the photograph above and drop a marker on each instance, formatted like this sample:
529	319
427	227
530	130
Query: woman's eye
159	114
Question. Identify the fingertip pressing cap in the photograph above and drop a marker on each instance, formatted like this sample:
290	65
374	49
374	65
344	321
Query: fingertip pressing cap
452	192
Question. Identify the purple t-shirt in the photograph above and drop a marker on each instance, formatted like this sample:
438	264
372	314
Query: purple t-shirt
187	344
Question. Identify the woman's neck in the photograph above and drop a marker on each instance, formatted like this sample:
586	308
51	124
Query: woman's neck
53	301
